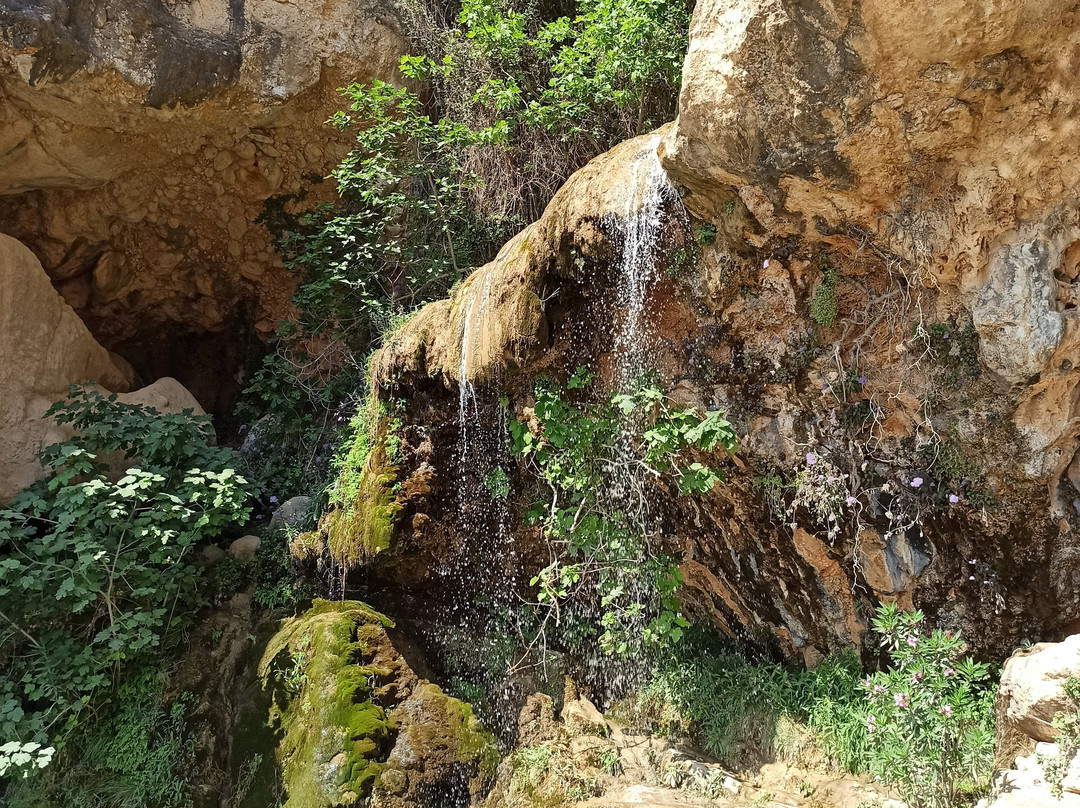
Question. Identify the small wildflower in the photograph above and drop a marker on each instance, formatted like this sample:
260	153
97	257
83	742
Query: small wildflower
830	479
811	458
871	723
809	331
242	427
917	677
851	500
953	499
878	690
971	577
273	500
916	482
766	264
950	671
912	640
862	381
946	711
901	700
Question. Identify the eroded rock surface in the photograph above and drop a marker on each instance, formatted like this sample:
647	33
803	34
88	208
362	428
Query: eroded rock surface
44	348
139	142
880	275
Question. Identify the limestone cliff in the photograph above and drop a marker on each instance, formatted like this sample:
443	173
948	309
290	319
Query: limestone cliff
875	284
139	141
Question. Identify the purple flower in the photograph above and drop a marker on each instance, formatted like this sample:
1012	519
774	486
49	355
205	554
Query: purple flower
273	500
242	427
953	499
901	700
862	381
851	500
809	331
916	482
766	264
811	458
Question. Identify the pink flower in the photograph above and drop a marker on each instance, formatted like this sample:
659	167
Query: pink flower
871	723
901	700
946	711
766	264
950	671
811	458
912	640
878	690
917	677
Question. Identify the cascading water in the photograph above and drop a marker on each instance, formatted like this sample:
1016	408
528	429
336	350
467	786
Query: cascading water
641	232
653	207
485	556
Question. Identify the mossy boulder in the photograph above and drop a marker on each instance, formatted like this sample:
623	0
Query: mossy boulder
355	724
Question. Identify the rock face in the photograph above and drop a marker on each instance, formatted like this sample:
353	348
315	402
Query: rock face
357	723
874	268
140	142
1031	693
44	348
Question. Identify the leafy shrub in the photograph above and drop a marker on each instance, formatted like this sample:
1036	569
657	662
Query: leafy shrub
591	513
930	728
96	569
135	755
552	85
741	710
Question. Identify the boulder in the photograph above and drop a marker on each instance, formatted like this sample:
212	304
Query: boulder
44	348
210	556
243	549
292	515
1031	693
356	724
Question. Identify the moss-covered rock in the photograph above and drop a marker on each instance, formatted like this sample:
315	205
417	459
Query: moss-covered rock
356	726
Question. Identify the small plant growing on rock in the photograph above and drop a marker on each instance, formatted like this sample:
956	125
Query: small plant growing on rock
596	460
1067	723
929	726
824	306
822	489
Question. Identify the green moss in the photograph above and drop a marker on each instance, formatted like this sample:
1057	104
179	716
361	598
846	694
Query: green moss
333	737
362	525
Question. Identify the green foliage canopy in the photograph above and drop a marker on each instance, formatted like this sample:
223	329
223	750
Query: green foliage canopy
96	564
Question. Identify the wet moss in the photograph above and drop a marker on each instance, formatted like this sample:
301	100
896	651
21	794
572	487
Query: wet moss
363	523
333	738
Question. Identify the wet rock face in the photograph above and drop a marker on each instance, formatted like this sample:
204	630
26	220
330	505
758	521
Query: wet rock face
140	142
881	276
358	727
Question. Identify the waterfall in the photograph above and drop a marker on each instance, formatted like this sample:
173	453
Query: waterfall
642	227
